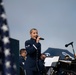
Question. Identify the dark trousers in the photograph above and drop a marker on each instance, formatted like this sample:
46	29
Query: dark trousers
30	72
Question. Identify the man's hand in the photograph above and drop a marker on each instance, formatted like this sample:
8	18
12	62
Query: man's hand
38	39
43	56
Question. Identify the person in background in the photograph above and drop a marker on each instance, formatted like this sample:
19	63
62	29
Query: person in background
67	57
33	48
41	64
75	56
22	59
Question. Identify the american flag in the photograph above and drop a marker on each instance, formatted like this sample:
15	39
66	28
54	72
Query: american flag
7	64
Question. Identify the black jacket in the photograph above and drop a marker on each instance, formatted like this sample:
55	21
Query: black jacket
33	54
21	65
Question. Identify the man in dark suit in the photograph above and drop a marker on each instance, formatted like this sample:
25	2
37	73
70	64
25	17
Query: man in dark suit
22	59
33	48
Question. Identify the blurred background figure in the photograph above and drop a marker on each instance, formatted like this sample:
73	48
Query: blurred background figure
22	59
67	57
41	64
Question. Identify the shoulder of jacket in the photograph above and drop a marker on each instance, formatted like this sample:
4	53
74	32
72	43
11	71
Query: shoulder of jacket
28	40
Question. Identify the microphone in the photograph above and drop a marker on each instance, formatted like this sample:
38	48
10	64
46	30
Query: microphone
68	44
40	38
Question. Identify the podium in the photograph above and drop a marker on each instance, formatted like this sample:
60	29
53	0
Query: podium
14	45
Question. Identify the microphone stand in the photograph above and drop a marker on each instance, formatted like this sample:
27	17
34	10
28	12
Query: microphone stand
73	49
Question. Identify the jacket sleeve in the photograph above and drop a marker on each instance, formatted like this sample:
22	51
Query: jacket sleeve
31	48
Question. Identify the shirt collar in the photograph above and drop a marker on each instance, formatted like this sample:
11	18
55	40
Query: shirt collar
33	39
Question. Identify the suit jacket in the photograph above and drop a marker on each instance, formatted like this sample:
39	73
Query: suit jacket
33	54
21	61
21	65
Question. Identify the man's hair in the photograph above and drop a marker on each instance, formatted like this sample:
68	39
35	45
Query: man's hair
67	56
32	29
22	50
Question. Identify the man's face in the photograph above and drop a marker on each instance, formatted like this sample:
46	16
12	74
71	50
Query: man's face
34	34
67	58
24	54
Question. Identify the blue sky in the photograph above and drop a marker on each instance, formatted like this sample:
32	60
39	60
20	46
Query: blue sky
54	19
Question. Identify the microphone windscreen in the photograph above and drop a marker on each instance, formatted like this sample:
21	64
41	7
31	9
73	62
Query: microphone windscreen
66	45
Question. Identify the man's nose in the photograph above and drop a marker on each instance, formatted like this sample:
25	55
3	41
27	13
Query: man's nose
36	35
